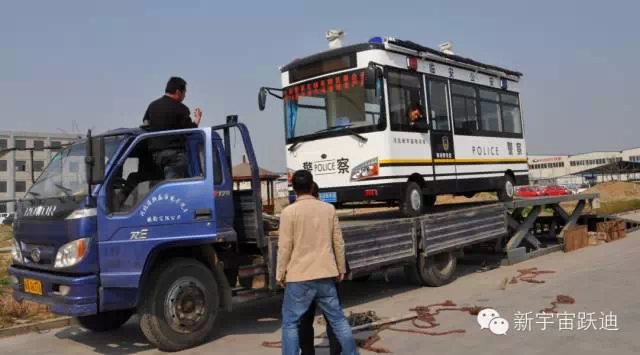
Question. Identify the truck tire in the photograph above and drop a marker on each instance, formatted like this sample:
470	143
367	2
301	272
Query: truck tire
106	321
181	308
412	202
507	189
434	271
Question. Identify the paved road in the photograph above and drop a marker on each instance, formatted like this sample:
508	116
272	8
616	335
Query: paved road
601	279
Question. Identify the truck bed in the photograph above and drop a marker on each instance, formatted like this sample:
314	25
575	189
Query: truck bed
376	240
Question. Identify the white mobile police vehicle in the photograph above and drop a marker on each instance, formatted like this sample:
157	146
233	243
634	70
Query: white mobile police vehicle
346	120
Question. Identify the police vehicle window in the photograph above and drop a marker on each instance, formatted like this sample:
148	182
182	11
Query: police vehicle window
438	112
405	89
465	110
510	105
490	120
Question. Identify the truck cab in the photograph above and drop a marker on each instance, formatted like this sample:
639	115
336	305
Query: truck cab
102	235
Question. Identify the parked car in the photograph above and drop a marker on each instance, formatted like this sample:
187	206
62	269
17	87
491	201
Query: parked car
528	191
556	190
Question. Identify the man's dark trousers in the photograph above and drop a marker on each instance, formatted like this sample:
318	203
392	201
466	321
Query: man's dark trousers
173	163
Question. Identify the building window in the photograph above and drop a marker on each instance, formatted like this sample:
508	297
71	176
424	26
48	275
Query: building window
55	144
3	143
3	187
3	165
21	165
3	208
38	145
21	186
21	144
38	165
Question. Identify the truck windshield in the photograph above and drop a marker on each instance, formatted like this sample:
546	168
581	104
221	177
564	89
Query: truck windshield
66	173
319	108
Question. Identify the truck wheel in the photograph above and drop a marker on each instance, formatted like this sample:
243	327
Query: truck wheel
105	321
507	189
180	309
435	270
412	201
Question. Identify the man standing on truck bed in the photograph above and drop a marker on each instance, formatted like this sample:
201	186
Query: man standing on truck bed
310	259
168	113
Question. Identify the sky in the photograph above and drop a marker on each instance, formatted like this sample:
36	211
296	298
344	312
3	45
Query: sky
84	64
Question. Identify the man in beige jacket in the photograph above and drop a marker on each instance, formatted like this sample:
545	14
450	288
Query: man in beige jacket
310	261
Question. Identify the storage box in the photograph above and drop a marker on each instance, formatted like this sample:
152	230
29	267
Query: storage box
613	230
575	238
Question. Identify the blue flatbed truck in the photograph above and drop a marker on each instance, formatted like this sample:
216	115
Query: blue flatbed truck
101	236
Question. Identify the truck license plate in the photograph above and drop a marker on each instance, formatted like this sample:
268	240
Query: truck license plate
328	197
33	286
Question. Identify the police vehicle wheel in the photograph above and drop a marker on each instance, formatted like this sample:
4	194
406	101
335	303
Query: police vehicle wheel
180	310
412	202
103	322
507	189
435	270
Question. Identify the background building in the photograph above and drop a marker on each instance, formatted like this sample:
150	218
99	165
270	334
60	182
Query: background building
15	166
574	169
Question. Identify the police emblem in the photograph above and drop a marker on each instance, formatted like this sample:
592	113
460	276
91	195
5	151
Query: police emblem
445	143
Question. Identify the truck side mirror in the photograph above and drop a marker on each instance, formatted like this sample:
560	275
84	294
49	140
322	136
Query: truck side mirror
371	75
95	160
262	98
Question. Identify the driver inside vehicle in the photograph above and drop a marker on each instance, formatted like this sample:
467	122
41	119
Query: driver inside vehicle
416	118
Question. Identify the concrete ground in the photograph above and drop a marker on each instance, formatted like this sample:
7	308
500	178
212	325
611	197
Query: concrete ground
600	279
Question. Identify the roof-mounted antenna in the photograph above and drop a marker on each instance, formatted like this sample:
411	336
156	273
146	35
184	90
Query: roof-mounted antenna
335	38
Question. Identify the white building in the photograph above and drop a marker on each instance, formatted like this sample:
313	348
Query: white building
558	169
15	166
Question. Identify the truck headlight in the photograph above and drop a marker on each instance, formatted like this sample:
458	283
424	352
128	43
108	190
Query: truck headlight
16	253
365	170
72	253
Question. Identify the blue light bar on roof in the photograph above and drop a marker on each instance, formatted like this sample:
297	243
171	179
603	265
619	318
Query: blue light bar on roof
377	40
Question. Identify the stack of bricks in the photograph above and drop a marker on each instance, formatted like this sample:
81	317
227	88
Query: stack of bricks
575	238
611	230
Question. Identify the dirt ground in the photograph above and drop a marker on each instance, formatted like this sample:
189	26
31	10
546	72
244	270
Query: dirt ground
11	312
617	190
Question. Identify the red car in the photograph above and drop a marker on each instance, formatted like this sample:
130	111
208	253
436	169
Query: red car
555	190
528	191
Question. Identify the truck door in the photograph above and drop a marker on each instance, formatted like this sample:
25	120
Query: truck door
140	211
222	191
443	155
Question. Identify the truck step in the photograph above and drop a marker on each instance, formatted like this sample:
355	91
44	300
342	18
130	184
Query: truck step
252	270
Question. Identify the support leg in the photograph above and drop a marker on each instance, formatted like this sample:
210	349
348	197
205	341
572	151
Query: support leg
573	219
523	229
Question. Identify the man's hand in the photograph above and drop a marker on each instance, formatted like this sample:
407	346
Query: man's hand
198	116
281	283
340	277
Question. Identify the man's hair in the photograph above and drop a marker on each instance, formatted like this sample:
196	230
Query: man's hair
315	193
302	182
175	84
415	106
